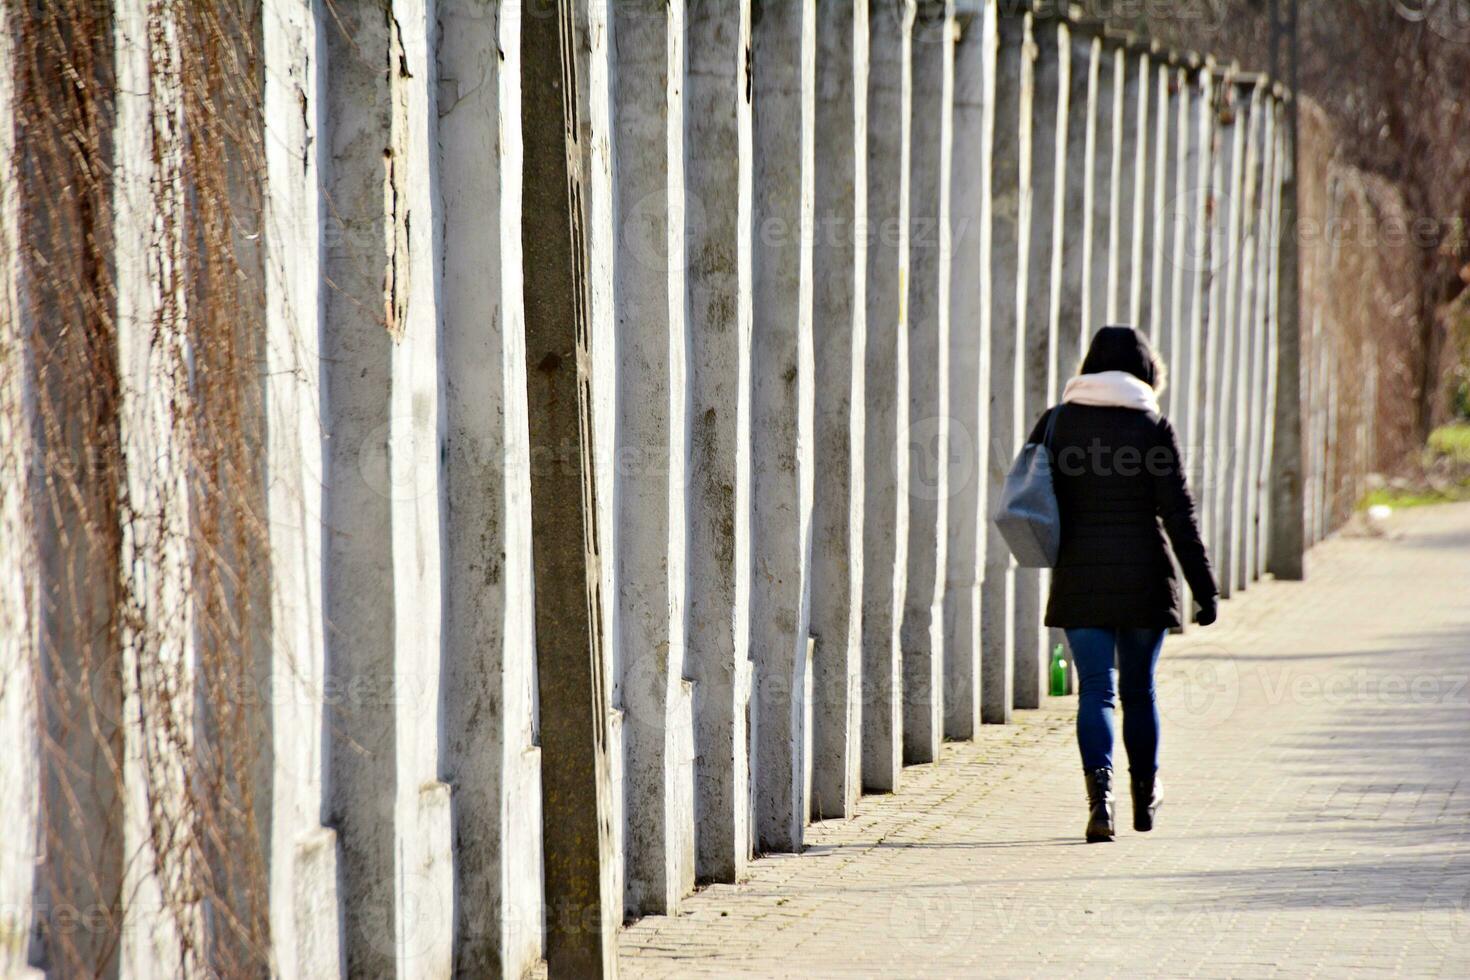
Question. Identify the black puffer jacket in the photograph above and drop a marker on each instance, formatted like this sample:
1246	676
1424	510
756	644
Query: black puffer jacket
1120	487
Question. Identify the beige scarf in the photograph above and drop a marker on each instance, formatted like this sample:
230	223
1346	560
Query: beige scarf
1111	389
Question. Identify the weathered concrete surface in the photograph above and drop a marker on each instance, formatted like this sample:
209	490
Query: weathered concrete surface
1218	329
717	118
1265	353
1261	332
360	613
1123	223
1246	387
383	602
1044	184
886	400
653	449
162	926
1302	691
784	82
1228	271
488	639
580	811
1276	302
593	27
839	324
1163	137
1169	140
1012	115
925	447
1075	202
1287	538
80	708
20	768
1096	217
1065	262
1215	181
424	851
966	516
1141	219
1193	251
1176	398
303	852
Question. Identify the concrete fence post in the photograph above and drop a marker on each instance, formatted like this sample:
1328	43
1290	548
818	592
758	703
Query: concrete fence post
489	658
926	445
1074	204
1287	512
65	205
784	44
583	893
886	398
969	367
652	440
426	848
1045	104
392	808
1194	252
1273	410
1216	181
594	41
1311	428
1068	129
1261	329
1241	451
1098	208
488	639
159	646
1121	224
1177	249
1225	312
717	174
305	907
1009	247
1164	134
21	767
1331	439
1145	174
839	319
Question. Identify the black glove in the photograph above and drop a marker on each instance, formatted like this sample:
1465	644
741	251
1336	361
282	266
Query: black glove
1206	614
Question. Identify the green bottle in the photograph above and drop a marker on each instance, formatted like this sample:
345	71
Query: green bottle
1059	677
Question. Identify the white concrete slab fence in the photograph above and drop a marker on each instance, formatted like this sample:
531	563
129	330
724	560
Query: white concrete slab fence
826	261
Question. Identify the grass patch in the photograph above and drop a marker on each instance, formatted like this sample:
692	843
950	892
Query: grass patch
1451	442
1400	499
1441	476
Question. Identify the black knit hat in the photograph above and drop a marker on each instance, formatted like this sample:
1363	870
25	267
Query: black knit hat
1122	349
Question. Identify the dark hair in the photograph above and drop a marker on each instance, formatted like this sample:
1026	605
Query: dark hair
1124	349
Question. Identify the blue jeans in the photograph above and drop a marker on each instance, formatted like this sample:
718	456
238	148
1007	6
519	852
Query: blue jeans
1137	654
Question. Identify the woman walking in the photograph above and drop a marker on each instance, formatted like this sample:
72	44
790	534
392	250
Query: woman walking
1120	486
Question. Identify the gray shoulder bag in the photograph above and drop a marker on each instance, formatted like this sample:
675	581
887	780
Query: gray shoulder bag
1028	517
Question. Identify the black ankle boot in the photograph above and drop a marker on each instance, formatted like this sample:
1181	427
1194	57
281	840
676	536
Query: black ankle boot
1148	795
1101	805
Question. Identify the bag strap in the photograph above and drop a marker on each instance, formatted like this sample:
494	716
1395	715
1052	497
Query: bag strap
1051	424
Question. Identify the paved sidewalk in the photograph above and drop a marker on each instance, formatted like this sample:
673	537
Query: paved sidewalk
1317	821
